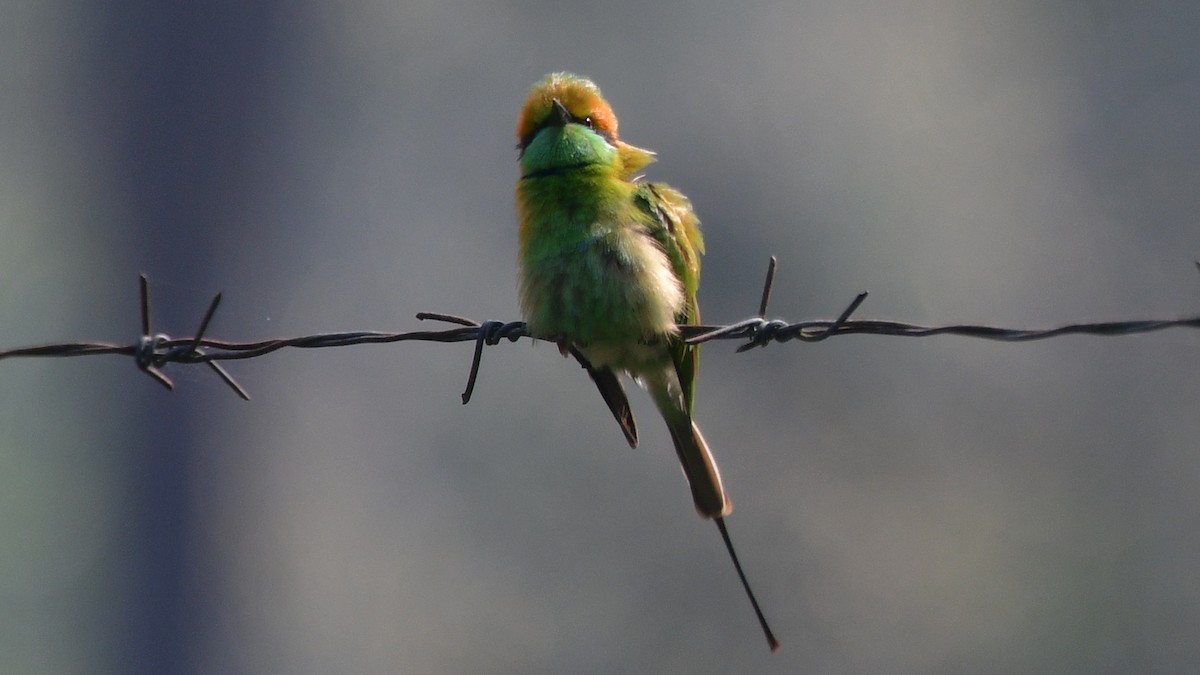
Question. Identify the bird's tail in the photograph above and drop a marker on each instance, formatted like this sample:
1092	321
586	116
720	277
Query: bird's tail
697	461
700	469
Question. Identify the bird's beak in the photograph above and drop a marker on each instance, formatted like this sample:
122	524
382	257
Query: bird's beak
560	116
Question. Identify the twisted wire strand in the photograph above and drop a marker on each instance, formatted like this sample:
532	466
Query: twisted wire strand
153	351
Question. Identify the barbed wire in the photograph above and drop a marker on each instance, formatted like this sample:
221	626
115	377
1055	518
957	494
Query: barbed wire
153	351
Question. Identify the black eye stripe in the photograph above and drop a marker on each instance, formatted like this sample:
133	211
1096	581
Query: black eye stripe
587	121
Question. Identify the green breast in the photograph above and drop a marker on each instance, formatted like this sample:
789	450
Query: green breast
589	271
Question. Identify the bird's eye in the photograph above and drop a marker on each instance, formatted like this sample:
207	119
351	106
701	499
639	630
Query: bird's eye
589	122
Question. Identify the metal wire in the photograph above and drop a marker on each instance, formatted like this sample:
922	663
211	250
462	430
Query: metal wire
153	351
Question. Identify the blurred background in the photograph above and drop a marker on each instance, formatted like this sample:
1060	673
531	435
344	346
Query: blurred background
905	506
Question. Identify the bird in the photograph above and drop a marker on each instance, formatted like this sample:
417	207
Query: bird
609	269
609	265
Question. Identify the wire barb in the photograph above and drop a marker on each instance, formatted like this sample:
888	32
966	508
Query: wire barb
152	352
216	367
767	285
841	320
149	356
487	333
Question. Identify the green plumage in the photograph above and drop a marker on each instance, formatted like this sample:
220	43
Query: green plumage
610	266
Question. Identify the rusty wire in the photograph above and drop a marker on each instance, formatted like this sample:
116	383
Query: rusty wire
153	351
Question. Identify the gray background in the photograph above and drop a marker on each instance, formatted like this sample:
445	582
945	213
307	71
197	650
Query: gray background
905	506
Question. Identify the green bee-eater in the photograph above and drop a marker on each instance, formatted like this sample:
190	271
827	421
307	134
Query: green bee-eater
609	268
610	264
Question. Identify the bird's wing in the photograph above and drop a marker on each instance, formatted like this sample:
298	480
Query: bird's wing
675	227
614	395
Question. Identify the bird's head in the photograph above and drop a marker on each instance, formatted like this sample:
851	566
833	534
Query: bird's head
566	124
